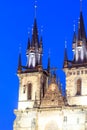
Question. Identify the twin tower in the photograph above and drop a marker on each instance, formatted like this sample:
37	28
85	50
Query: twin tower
41	104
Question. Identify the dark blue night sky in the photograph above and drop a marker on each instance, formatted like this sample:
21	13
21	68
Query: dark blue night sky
16	19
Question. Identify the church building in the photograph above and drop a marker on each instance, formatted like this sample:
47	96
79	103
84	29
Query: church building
41	103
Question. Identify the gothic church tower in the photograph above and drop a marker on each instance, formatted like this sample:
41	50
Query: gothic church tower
33	79
41	104
76	69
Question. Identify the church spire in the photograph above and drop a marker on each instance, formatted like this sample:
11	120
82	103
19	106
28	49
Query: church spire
19	63
41	44
81	27
34	48
65	56
28	46
48	66
35	41
74	39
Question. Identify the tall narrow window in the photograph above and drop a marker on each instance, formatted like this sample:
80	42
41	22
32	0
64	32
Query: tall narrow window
29	87
78	87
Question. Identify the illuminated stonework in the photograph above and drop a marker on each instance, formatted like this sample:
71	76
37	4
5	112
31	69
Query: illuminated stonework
41	103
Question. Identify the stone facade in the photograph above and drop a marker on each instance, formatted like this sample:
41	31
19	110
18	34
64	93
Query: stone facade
62	118
41	104
72	76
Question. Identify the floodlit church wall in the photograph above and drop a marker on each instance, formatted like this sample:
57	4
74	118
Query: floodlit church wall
50	120
65	119
25	120
72	77
75	119
36	109
34	80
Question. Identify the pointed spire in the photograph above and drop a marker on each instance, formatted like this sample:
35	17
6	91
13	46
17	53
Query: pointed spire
40	45
19	63
28	43
28	46
35	41
81	27
65	55
74	36
41	41
48	66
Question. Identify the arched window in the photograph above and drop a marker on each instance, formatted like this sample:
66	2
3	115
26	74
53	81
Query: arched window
29	89
78	87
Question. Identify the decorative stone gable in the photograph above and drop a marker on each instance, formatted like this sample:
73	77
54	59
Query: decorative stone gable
53	97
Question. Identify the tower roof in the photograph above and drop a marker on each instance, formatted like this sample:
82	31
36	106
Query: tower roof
48	66
74	37
19	63
65	57
81	28
35	41
28	46
40	45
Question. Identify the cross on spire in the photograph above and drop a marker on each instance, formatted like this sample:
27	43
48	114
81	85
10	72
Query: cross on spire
41	30
28	31
74	27
35	7
65	44
20	48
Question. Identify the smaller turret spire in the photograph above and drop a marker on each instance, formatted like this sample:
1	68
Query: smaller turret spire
74	38
19	62
74	27
40	42
28	46
48	66
65	55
